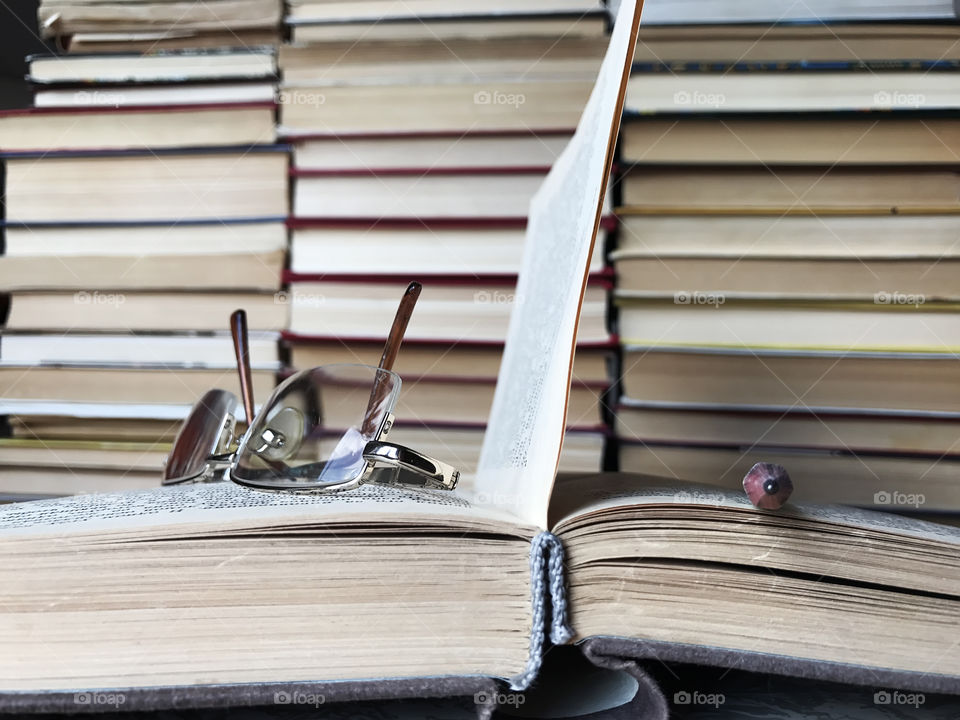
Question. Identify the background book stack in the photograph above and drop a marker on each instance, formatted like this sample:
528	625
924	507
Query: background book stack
144	200
788	254
92	26
420	132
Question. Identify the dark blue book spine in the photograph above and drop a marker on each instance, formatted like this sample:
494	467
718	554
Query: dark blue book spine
798	66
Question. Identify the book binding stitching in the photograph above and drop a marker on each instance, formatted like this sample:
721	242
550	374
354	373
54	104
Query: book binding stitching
546	580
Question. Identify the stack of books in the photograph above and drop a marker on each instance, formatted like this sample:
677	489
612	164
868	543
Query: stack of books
419	138
85	26
787	259
145	199
208	76
246	598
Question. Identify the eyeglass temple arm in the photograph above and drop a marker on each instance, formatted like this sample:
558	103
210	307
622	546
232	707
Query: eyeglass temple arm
241	347
390	351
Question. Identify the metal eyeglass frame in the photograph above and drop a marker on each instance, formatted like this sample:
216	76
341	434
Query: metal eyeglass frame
202	450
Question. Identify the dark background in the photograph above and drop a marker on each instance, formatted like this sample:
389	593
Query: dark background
18	38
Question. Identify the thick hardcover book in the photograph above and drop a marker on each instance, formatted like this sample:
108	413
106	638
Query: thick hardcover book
667	12
607	222
67	18
153	95
340	13
928	87
222	255
445	195
919	485
98	128
168	40
338	21
213	594
185	185
894	137
422	109
449	357
462	308
493	253
158	66
809	42
521	151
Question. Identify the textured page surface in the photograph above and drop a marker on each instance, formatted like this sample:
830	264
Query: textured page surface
522	444
224	503
596	493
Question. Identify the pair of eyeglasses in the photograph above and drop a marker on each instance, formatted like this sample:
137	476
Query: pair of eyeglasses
296	442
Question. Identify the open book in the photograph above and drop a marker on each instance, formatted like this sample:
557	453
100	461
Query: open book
216	584
216	588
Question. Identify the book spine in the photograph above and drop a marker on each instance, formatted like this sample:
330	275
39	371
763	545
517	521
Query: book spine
3	210
547	584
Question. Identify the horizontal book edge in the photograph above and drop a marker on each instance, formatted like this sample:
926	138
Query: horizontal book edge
465	380
293	136
265	50
296	172
304	339
825	451
851	67
784	411
27	225
602	278
94	84
607	223
267	148
870	115
100	110
597	12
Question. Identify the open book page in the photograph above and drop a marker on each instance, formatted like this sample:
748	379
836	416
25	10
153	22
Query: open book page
576	497
521	448
216	584
632	517
221	506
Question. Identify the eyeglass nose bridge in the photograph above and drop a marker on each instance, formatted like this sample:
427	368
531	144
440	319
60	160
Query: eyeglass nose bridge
421	470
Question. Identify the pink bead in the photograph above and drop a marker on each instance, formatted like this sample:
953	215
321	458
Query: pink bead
767	485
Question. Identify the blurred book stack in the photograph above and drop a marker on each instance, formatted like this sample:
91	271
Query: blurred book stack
96	26
812	12
145	198
788	252
420	132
